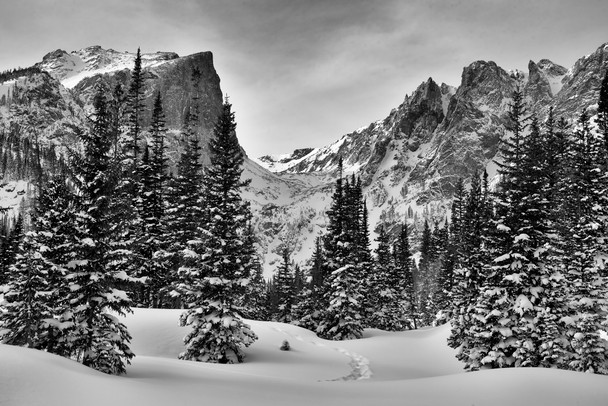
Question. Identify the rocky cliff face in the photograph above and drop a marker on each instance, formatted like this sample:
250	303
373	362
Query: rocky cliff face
582	83
39	107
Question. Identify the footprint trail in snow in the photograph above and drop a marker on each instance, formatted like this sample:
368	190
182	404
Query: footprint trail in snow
359	365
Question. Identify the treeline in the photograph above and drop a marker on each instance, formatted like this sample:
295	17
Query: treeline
112	229
387	288
22	159
18	72
349	287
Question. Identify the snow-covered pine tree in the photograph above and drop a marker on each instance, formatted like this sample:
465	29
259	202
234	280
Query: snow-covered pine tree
456	252
131	202
135	111
489	340
97	338
445	278
388	307
425	277
186	214
153	175
218	332
585	212
117	107
9	248
23	310
37	299
284	288
343	319
510	313
346	272
471	224
307	309
335	255
378	292
554	347
253	305
403	267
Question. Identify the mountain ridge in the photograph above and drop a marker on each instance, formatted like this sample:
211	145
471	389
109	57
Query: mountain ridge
410	161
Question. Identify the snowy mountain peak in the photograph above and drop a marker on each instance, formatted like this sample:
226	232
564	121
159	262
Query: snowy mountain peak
551	68
282	162
71	68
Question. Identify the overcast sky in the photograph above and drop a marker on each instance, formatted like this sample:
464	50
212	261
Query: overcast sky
302	73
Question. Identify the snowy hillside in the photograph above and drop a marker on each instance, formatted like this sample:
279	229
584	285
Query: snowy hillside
407	368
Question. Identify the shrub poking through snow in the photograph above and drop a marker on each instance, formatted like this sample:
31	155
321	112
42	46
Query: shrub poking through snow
285	346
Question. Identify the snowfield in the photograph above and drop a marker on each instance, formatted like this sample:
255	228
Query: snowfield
407	368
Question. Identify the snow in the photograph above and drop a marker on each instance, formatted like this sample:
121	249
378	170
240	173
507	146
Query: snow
445	101
12	194
87	62
405	368
281	162
556	83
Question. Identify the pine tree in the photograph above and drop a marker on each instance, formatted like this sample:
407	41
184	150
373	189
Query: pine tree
389	308
153	174
185	214
136	108
126	155
334	246
343	319
218	333
22	312
308	308
347	275
97	338
284	287
37	304
9	248
519	285
425	277
469	228
403	267
254	301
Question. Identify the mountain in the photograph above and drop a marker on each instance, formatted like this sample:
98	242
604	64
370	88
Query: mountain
409	161
164	72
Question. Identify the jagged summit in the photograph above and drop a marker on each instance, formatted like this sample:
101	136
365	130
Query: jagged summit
551	68
71	68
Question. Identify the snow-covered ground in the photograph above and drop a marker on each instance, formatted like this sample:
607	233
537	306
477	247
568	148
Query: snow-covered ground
408	368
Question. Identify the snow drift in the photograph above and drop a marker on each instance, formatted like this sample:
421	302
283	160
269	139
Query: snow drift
406	368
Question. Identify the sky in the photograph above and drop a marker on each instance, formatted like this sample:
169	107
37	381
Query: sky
302	73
